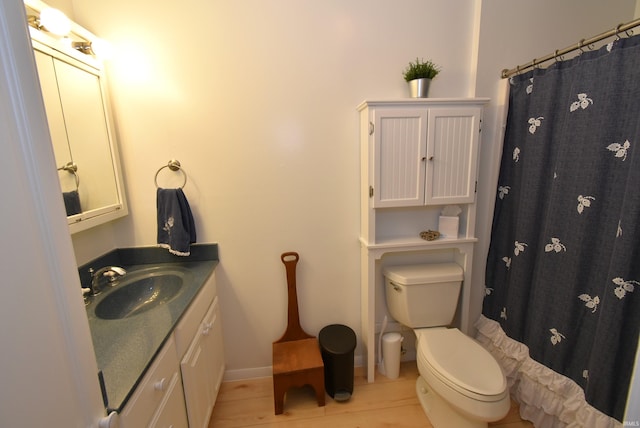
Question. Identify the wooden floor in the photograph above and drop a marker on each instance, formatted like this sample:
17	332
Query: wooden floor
384	403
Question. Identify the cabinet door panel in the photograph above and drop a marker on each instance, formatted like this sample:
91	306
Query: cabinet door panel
451	153
203	368
399	139
190	322
172	413
152	390
216	350
196	380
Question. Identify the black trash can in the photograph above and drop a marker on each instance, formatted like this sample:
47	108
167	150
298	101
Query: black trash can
337	343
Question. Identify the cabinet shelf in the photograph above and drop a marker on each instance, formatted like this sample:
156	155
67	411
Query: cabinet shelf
409	243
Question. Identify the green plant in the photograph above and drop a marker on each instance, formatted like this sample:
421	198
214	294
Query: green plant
421	69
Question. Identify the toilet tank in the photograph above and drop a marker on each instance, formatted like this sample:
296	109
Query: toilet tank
423	295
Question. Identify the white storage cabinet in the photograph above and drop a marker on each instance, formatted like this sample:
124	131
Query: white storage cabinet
417	156
424	155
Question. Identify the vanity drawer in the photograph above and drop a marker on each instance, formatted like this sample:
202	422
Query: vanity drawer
151	391
188	325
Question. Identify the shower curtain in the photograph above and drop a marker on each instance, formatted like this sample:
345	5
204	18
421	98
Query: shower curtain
563	269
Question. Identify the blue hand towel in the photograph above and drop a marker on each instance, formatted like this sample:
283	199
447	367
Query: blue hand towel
72	202
176	229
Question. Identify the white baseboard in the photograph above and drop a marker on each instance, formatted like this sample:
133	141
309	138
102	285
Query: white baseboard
245	374
261	372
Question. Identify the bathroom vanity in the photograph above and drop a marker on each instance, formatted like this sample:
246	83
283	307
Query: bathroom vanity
417	156
160	366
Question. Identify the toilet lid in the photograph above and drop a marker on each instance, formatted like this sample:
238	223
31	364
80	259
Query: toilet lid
461	361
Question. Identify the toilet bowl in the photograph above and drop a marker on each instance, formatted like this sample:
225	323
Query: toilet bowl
463	376
460	384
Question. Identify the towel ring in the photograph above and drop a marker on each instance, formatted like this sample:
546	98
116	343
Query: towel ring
72	168
173	165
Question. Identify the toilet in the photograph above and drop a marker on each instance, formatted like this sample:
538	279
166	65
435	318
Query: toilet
460	384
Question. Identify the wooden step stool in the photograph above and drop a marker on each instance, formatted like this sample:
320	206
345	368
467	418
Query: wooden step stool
296	355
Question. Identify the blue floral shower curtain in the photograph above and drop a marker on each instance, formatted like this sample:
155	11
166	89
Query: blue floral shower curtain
563	270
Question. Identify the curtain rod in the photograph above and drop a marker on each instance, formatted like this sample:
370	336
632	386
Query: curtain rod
581	44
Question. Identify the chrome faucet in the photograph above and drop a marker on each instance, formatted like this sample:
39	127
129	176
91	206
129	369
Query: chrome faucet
112	273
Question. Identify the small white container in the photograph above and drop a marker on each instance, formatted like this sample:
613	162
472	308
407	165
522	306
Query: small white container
391	351
448	226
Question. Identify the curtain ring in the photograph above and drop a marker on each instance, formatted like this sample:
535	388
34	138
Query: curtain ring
558	57
618	31
581	45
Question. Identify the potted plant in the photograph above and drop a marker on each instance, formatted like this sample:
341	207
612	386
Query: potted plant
419	74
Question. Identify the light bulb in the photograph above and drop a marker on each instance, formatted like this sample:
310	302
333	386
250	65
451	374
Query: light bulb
54	21
101	48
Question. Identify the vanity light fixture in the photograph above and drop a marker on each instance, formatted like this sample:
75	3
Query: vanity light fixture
84	47
97	47
51	20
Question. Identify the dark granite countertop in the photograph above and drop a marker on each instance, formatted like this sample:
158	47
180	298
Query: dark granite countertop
126	347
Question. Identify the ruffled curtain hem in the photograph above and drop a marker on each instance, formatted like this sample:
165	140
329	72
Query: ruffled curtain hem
546	398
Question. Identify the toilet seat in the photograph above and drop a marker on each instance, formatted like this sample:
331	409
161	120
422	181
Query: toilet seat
461	363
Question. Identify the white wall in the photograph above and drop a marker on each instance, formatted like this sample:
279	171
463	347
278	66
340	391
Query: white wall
257	100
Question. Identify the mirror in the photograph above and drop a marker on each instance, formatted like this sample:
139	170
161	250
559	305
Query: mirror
73	89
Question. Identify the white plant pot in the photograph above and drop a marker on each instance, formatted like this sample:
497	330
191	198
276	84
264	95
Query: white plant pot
419	88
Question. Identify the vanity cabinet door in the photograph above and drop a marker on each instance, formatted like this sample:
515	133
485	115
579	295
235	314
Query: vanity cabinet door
195	381
154	395
202	369
190	322
215	347
172	413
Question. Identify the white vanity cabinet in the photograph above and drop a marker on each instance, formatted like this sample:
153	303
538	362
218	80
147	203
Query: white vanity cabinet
180	388
200	347
417	156
158	400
